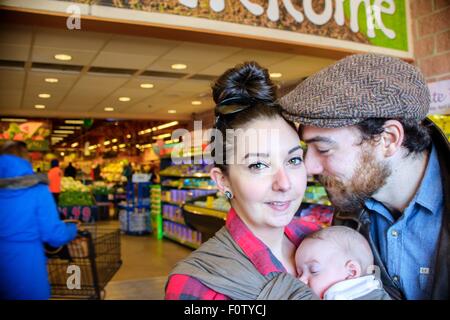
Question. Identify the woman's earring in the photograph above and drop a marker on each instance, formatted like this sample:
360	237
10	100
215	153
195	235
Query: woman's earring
229	195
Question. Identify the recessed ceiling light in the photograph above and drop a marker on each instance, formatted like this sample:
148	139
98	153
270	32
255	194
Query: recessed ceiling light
44	95
64	131
62	154
74	121
128	136
13	120
275	75
196	103
109	109
124	99
178	66
39	106
62	57
73	145
51	80
172	111
147	85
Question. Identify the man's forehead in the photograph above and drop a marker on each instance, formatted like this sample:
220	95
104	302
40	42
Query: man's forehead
311	134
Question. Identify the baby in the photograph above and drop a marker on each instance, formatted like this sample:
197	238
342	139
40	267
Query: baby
337	264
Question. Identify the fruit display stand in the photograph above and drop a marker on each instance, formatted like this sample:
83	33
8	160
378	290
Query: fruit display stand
103	194
76	201
178	185
316	207
134	213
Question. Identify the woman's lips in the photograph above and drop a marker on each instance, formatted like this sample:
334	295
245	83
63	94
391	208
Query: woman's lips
279	205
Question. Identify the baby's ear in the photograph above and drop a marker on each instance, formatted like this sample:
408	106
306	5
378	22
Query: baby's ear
353	269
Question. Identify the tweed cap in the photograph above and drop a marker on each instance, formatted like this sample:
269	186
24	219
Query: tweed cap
357	88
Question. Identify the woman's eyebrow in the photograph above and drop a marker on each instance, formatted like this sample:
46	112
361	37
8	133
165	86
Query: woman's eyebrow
295	149
265	155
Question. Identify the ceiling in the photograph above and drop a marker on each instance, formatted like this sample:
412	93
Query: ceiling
107	66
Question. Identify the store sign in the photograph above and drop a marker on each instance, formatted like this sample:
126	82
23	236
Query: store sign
440	97
82	213
141	177
378	23
34	133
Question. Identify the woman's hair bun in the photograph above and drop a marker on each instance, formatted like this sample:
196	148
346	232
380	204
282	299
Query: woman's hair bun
247	81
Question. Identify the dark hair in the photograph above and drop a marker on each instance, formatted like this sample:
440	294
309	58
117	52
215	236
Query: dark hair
417	136
54	163
16	148
242	94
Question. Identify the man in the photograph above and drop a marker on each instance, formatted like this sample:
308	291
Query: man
70	171
384	165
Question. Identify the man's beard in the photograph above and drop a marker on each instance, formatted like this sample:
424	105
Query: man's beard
368	178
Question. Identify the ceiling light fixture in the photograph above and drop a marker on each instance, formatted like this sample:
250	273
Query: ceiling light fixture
275	75
172	111
64	131
178	66
51	80
147	85
109	109
39	106
124	99
196	103
74	121
62	57
44	95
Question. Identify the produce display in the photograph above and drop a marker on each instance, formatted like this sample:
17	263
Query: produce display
316	194
113	171
193	183
443	122
74	193
101	188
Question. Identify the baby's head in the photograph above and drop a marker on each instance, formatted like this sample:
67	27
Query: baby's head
332	255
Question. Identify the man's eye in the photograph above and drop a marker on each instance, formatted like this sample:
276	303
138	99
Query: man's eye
296	161
323	151
257	166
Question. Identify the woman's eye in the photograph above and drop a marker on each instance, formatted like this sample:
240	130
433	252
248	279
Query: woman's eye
296	161
257	166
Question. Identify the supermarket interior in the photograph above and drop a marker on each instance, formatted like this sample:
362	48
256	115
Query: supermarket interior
104	100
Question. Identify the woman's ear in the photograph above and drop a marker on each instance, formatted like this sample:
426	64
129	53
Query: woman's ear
353	269
392	137
220	179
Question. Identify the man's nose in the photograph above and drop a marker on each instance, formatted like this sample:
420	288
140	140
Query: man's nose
281	181
313	163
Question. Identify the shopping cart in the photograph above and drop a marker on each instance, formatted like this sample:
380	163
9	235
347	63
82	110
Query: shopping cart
81	269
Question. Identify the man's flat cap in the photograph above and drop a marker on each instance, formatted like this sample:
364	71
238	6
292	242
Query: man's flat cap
357	88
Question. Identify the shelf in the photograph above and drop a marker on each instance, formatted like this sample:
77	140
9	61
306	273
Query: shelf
206	211
190	188
178	204
195	175
186	243
176	221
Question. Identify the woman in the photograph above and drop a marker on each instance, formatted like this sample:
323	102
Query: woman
252	257
28	218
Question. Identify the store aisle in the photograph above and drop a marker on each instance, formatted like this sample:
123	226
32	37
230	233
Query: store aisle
146	264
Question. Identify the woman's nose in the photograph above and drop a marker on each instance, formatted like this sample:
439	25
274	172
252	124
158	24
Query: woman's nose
281	182
304	279
313	164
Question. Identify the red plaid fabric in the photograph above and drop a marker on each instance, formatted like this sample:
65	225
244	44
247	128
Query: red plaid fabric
183	287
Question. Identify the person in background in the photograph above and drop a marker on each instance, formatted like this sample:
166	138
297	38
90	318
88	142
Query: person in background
28	219
97	172
54	178
70	171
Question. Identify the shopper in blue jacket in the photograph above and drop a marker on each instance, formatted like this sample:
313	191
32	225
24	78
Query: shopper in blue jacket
28	219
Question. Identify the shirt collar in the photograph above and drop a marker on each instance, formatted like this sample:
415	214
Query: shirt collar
429	195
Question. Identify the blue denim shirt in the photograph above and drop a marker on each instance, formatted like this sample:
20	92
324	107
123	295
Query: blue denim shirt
408	246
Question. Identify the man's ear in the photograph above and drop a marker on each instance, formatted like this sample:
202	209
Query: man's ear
353	269
392	137
220	179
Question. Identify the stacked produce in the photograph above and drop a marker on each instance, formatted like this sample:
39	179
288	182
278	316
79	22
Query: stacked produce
113	172
74	193
101	188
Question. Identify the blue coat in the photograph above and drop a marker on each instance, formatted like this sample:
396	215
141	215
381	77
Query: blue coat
28	218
